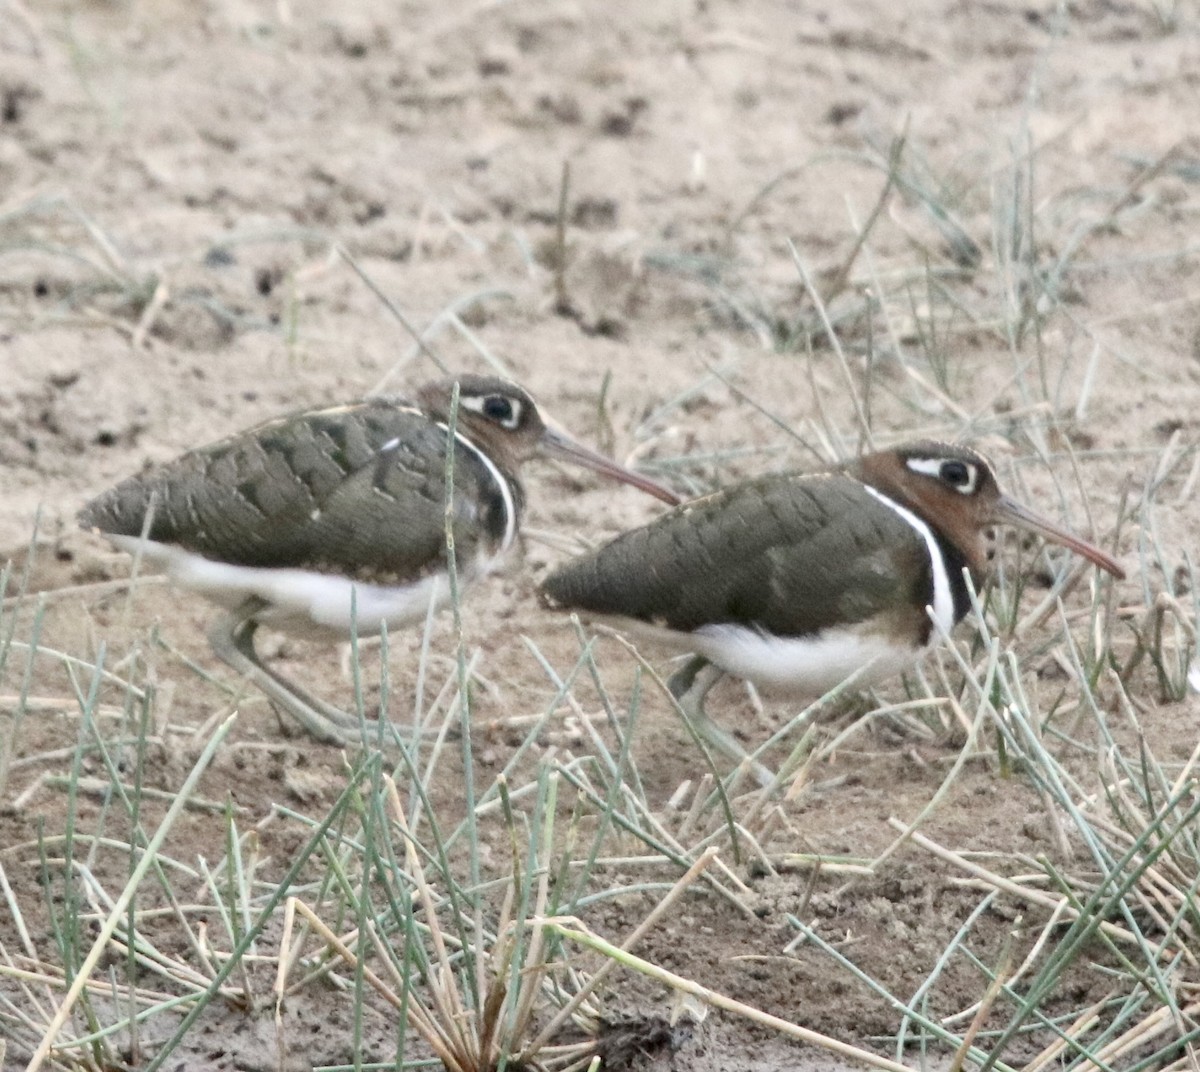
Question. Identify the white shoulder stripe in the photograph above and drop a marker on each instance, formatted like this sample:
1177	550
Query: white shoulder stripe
506	493
943	596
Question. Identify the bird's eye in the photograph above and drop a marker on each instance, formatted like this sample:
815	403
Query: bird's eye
499	409
955	473
959	475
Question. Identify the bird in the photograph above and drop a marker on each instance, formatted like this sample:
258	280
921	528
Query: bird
334	519
799	580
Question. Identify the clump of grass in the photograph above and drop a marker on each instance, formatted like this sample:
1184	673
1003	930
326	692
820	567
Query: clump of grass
1114	893
390	898
484	976
66	1011
1117	896
59	1019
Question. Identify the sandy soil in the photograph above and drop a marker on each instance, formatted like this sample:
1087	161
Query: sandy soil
173	179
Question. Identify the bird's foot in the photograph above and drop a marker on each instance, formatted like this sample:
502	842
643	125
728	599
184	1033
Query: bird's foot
690	685
232	639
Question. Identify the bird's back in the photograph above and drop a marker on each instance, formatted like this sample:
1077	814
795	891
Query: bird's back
357	490
788	554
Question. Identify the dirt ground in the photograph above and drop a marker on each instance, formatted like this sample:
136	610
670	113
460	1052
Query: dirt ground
174	178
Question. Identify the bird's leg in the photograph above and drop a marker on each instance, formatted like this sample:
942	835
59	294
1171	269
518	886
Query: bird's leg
690	685
231	637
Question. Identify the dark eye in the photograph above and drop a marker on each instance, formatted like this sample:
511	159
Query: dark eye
498	408
956	474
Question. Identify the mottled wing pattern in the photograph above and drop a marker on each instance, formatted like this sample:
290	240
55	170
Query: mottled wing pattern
324	489
790	554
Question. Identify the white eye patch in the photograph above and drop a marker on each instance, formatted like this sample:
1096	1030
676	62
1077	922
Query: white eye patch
955	473
499	409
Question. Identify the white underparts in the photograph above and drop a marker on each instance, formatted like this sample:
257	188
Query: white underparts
809	665
298	600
